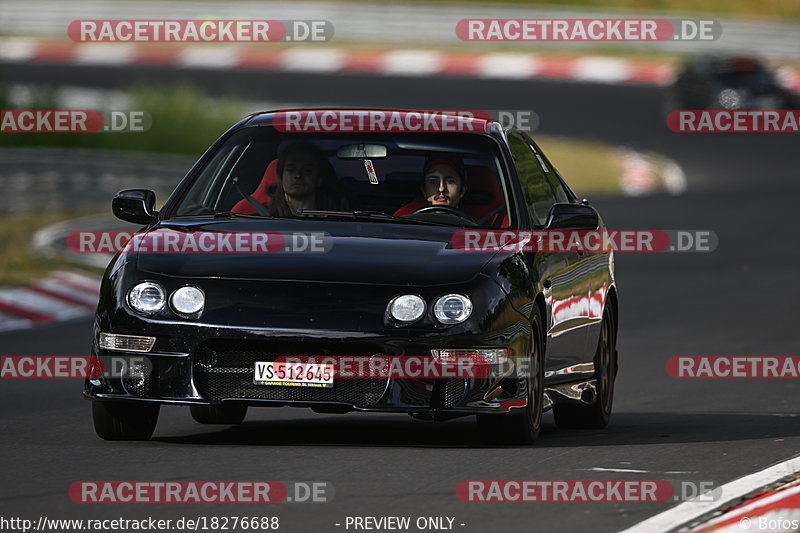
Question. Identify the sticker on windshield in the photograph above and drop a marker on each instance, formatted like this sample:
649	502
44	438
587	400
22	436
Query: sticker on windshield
373	178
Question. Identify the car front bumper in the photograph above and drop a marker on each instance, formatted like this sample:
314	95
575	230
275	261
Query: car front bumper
206	364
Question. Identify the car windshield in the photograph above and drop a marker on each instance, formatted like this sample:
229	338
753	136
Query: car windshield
754	78
425	178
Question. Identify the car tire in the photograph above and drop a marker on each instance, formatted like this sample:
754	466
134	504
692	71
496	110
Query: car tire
218	414
124	420
598	414
521	427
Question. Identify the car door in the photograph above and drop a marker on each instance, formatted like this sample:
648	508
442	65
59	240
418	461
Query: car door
592	267
564	288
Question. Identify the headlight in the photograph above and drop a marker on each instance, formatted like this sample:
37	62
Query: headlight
452	309
187	301
147	298
407	308
731	99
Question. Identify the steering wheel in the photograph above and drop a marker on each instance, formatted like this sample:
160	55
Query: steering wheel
446	209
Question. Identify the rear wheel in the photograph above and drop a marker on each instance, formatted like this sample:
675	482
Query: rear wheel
218	414
522	427
598	414
124	420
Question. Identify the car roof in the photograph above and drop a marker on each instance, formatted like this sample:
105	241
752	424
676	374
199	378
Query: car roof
472	121
730	64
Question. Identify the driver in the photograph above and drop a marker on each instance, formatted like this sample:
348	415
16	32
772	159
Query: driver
306	180
444	181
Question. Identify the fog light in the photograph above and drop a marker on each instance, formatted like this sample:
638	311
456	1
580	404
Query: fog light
492	356
126	343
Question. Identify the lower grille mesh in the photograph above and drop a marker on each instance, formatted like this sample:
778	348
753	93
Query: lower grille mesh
225	370
453	392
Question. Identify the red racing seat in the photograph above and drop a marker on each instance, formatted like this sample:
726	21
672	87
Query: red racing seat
262	192
484	199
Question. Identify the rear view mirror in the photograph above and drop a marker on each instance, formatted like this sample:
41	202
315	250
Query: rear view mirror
135	205
572	216
362	151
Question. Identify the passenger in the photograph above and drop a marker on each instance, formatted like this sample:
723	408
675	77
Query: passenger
306	180
444	181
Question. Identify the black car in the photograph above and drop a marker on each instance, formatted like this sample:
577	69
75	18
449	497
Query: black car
729	82
215	328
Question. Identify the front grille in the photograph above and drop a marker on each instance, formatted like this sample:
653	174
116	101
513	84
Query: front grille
225	370
454	390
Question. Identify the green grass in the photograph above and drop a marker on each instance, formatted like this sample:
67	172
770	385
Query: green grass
184	121
17	264
741	8
765	8
589	167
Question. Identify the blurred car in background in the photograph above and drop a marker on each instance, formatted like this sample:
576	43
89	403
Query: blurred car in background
729	82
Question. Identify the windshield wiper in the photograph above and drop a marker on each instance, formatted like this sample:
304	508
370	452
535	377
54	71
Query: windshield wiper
364	215
231	214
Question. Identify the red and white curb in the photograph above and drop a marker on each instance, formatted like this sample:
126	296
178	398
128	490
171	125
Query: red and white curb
327	60
60	296
396	62
777	510
692	510
646	174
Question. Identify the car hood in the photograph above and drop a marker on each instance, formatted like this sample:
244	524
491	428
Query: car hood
356	252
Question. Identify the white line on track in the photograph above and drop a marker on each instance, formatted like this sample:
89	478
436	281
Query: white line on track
690	510
625	470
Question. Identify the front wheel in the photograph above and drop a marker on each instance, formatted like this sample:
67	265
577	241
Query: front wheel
598	414
124	420
522	427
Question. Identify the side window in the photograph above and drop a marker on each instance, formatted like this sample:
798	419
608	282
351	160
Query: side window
538	193
550	175
200	197
555	183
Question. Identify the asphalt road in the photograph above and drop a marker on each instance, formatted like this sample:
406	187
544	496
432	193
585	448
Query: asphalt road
739	300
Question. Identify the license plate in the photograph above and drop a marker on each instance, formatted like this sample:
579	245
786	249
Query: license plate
293	374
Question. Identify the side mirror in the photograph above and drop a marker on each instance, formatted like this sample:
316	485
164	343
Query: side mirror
135	205
572	216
